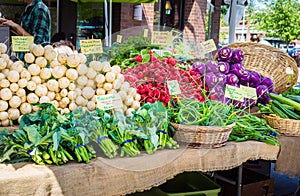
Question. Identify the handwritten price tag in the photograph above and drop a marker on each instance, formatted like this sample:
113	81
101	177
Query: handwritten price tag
146	32
91	46
163	38
233	92
249	92
119	38
173	87
105	102
209	46
21	43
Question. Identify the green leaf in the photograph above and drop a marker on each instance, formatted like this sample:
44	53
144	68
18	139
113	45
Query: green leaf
33	134
146	58
56	139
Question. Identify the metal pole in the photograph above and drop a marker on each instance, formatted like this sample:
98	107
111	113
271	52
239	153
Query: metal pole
106	23
110	21
232	20
243	27
239	181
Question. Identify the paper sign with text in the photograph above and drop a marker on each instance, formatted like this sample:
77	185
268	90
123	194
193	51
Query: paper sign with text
146	32
105	102
173	87
233	92
21	43
119	38
209	46
117	101
249	92
163	38
91	46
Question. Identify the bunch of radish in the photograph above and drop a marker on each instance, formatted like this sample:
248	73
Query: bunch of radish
151	78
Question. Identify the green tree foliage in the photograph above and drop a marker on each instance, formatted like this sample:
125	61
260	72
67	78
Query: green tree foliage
279	18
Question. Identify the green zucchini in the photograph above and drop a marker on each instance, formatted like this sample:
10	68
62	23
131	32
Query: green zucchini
291	114
285	100
294	98
278	112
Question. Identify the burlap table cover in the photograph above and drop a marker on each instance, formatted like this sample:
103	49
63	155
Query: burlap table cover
288	161
125	175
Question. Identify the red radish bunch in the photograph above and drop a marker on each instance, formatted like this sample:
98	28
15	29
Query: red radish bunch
151	78
154	91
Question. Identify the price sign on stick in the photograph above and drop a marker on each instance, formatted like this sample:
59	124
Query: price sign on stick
146	32
173	87
209	46
105	102
163	38
119	38
233	92
249	92
91	46
21	43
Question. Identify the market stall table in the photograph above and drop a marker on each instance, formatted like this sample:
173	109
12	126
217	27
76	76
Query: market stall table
126	175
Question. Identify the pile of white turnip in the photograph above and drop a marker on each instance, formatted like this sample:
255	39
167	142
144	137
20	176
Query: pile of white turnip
66	80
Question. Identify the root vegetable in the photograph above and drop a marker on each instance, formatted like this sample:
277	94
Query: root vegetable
117	84
63	82
65	101
34	69
25	108
21	92
52	85
82	69
106	67
32	98
128	100
100	79
35	108
91	105
54	63
72	86
72	106
5	123
100	91
3	105
129	112
96	65
110	76
88	92
36	79
5	71
82	58
41	61
91	73
73	60
116	69
72	95
131	91
25	74
4	83
78	91
65	111
137	97
121	77
3	116
23	99
41	90
57	97
2	76
91	84
45	73
5	94
72	74
82	80
44	99
51	95
15	101
3	64
14	87
107	86
22	83
29	58
38	50
55	103
13	113
59	71
31	85
125	86
62	58
123	95
3	48
13	76
63	93
50	54
80	101
17	66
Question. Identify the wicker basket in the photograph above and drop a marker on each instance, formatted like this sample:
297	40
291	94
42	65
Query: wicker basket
269	62
202	136
288	127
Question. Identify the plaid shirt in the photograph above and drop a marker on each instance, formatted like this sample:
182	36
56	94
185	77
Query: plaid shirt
36	21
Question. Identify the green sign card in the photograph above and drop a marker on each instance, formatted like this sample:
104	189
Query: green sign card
249	92
105	102
21	43
233	92
209	46
173	87
163	38
91	46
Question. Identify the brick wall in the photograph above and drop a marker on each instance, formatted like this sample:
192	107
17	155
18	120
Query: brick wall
194	20
130	27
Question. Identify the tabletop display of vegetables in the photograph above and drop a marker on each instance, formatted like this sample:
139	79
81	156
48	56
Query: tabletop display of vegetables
229	69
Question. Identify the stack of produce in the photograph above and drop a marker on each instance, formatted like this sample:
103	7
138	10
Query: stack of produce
151	79
65	80
229	69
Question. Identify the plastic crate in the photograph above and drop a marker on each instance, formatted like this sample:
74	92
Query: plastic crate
190	183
